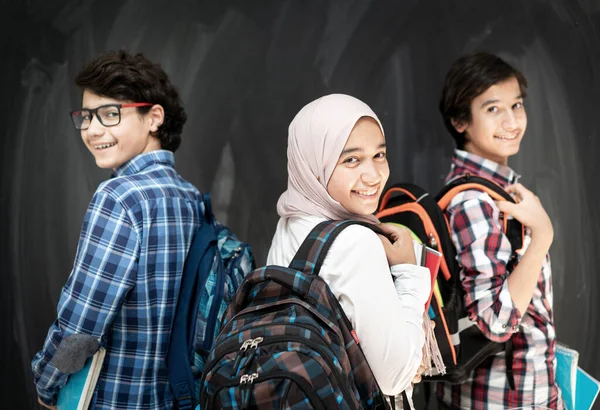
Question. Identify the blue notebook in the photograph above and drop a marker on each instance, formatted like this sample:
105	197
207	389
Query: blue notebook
566	373
77	393
579	389
587	390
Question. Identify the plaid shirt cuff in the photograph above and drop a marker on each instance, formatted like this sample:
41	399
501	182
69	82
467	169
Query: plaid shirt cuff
506	317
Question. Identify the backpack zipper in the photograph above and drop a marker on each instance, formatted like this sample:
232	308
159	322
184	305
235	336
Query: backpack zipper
231	343
238	253
235	338
312	344
252	309
250	379
216	303
220	290
253	344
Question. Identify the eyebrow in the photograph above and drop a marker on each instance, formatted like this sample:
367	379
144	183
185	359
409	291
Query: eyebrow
488	102
351	150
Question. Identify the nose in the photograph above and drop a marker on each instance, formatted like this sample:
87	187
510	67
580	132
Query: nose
95	128
510	122
370	174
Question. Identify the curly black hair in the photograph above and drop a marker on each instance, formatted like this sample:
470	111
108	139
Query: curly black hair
128	77
469	77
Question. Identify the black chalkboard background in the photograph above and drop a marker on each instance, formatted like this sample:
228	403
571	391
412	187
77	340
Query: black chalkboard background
244	68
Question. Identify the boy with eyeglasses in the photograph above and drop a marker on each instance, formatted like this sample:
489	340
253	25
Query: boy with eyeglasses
136	233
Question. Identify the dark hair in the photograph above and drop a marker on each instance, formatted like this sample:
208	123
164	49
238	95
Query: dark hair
127	77
469	77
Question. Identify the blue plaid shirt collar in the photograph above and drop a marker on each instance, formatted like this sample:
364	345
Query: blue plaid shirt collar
465	162
142	161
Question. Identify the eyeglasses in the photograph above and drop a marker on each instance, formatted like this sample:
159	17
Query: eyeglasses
109	115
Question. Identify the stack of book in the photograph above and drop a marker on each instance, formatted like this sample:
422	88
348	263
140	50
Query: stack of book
579	389
77	393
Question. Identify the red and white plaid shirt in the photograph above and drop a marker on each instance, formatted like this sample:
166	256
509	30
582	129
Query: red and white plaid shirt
483	251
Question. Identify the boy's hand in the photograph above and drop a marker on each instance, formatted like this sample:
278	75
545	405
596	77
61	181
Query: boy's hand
401	251
529	211
45	405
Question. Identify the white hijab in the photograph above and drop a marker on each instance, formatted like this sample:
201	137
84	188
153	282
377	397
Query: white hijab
316	138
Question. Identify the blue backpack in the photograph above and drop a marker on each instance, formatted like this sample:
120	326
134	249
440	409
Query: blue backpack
214	268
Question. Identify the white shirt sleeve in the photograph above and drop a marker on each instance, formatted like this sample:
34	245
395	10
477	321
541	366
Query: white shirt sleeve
388	325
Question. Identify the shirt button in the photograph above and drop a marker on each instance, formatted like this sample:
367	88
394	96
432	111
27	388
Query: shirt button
503	326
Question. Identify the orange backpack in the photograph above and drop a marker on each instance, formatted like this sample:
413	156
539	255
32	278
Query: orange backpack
462	345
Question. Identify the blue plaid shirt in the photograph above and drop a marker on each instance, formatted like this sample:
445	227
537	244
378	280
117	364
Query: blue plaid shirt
125	281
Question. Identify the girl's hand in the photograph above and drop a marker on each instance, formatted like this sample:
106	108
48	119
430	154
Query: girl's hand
401	251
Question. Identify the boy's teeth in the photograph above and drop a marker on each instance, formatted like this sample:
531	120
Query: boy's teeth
104	146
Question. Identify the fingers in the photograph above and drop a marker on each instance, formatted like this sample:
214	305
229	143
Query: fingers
514	192
520	191
390	229
395	231
385	241
514	188
45	405
387	246
418	376
506	207
401	251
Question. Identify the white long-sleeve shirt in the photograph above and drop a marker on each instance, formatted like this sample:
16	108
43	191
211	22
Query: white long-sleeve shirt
388	324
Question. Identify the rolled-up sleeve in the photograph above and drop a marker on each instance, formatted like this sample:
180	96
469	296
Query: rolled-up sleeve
483	251
102	275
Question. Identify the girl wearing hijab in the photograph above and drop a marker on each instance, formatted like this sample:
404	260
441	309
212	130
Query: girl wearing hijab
337	170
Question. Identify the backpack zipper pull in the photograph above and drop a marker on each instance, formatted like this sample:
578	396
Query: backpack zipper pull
250	353
236	252
253	348
254	343
246	382
241	352
432	242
